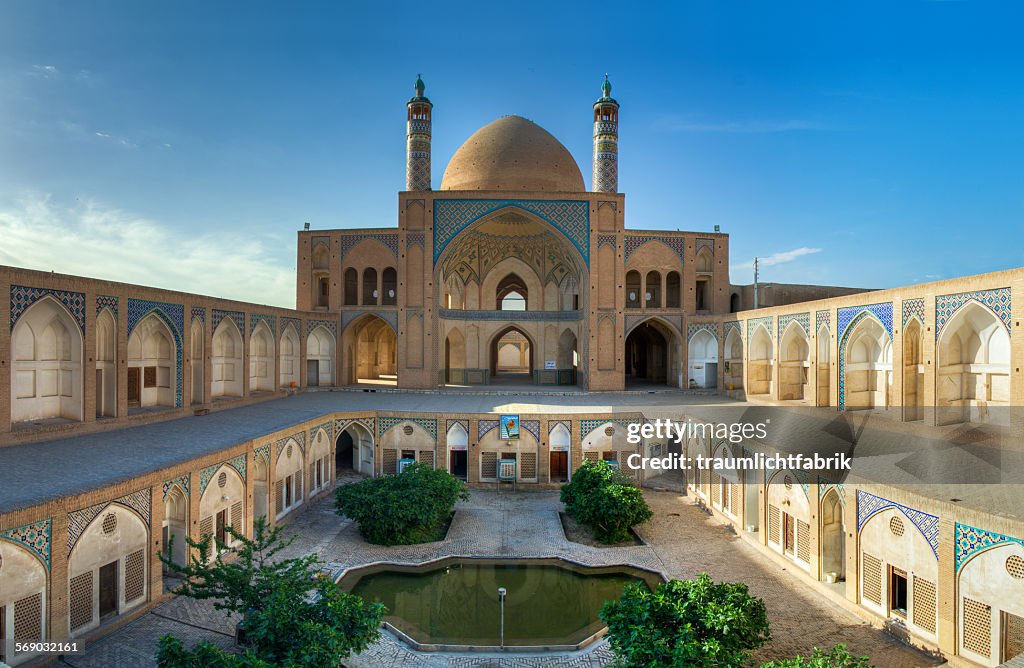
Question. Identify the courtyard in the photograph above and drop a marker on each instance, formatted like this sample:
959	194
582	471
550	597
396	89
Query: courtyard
681	541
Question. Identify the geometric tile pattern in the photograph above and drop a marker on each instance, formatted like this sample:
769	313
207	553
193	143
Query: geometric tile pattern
238	463
881	311
847	318
328	428
554	423
181	481
78	520
753	323
997	300
330	325
570	217
390	317
824	486
733	324
971	540
451	423
822	318
173	315
869	505
206	474
220	314
709	327
634	241
199	313
294	322
484	426
299	437
802	319
587	426
414	239
22	297
35	536
390	241
257	318
264	452
369	423
913	308
102	302
606	240
532	426
429	424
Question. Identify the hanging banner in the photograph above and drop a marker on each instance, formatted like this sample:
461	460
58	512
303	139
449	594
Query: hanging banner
509	427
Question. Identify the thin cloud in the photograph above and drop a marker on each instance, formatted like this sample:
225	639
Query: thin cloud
45	71
693	124
774	259
91	239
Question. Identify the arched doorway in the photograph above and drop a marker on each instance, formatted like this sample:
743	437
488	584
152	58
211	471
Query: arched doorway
375	349
458	451
344	452
512	294
261	359
320	358
151	364
913	372
455	358
106	371
289	357
973	368
511	356
650	354
733	360
353	451
46	346
794	363
867	362
703	360
824	372
227	360
175	526
833	535
760	355
568	359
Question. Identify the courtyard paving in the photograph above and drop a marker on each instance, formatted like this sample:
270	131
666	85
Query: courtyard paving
682	541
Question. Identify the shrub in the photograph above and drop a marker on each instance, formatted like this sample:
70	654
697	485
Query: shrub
411	507
604	499
291	616
698	623
837	657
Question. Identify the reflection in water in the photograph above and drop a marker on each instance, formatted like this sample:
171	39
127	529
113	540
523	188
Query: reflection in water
455	602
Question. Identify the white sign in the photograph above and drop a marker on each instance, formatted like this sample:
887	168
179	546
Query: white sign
550	364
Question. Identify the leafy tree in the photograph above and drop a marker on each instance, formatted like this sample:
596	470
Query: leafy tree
604	499
697	623
292	616
411	507
837	657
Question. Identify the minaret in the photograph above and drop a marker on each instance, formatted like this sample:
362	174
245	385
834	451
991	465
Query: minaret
606	141
417	147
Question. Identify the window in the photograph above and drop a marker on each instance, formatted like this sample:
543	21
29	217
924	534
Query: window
898	592
370	287
288	492
324	293
633	289
408	454
351	287
389	281
702	295
149	376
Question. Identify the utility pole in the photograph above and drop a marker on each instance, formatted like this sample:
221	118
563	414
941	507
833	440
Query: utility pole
756	300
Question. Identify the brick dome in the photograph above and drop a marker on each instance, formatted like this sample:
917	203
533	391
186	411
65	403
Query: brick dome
513	153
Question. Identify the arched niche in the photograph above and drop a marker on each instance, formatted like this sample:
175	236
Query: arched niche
228	374
760	372
261	359
290	357
46	378
973	375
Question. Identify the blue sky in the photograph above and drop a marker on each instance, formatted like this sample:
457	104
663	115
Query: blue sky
182	144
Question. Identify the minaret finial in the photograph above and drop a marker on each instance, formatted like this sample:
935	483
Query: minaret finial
606	87
420	87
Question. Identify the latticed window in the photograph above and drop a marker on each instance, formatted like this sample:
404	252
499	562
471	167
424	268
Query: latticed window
426	457
206	527
236	517
716	490
774	520
528	462
803	541
489	465
871	578
734	500
590	457
977	627
279	496
28	618
298	485
924	604
390	461
135	575
1013	636
80	600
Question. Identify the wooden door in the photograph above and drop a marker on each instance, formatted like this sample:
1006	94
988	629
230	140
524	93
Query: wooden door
559	466
1013	636
108	590
789	533
222	520
134	391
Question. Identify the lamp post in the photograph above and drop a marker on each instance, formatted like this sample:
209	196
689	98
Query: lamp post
501	602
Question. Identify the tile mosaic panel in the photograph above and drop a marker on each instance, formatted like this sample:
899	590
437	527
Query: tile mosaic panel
802	319
869	505
299	437
632	243
173	316
257	318
23	297
823	318
79	520
429	424
415	239
199	313
389	239
330	325
219	314
913	308
484	426
36	537
587	426
998	300
753	323
532	426
971	540
103	301
181	481
606	240
693	328
846	316
570	217
369	423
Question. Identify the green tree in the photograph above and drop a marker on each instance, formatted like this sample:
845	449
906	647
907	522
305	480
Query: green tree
697	623
411	507
604	499
292	616
837	657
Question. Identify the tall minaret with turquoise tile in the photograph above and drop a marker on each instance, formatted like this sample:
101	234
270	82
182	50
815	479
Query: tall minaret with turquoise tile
417	145
606	141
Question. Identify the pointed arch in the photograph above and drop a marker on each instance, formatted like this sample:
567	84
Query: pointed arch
320	351
913	371
222	504
733	352
512	352
702	356
973	374
455	357
374	346
228	372
261	359
106	364
152	351
46	378
652	353
354	449
824	366
197	361
290	352
833	535
794	363
760	361
865	372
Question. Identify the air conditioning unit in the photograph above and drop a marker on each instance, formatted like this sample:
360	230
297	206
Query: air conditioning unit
614	463
506	469
403	463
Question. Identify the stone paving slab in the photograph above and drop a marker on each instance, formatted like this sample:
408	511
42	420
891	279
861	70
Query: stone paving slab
682	541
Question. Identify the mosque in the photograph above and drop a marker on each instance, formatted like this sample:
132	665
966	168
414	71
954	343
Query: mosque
131	415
